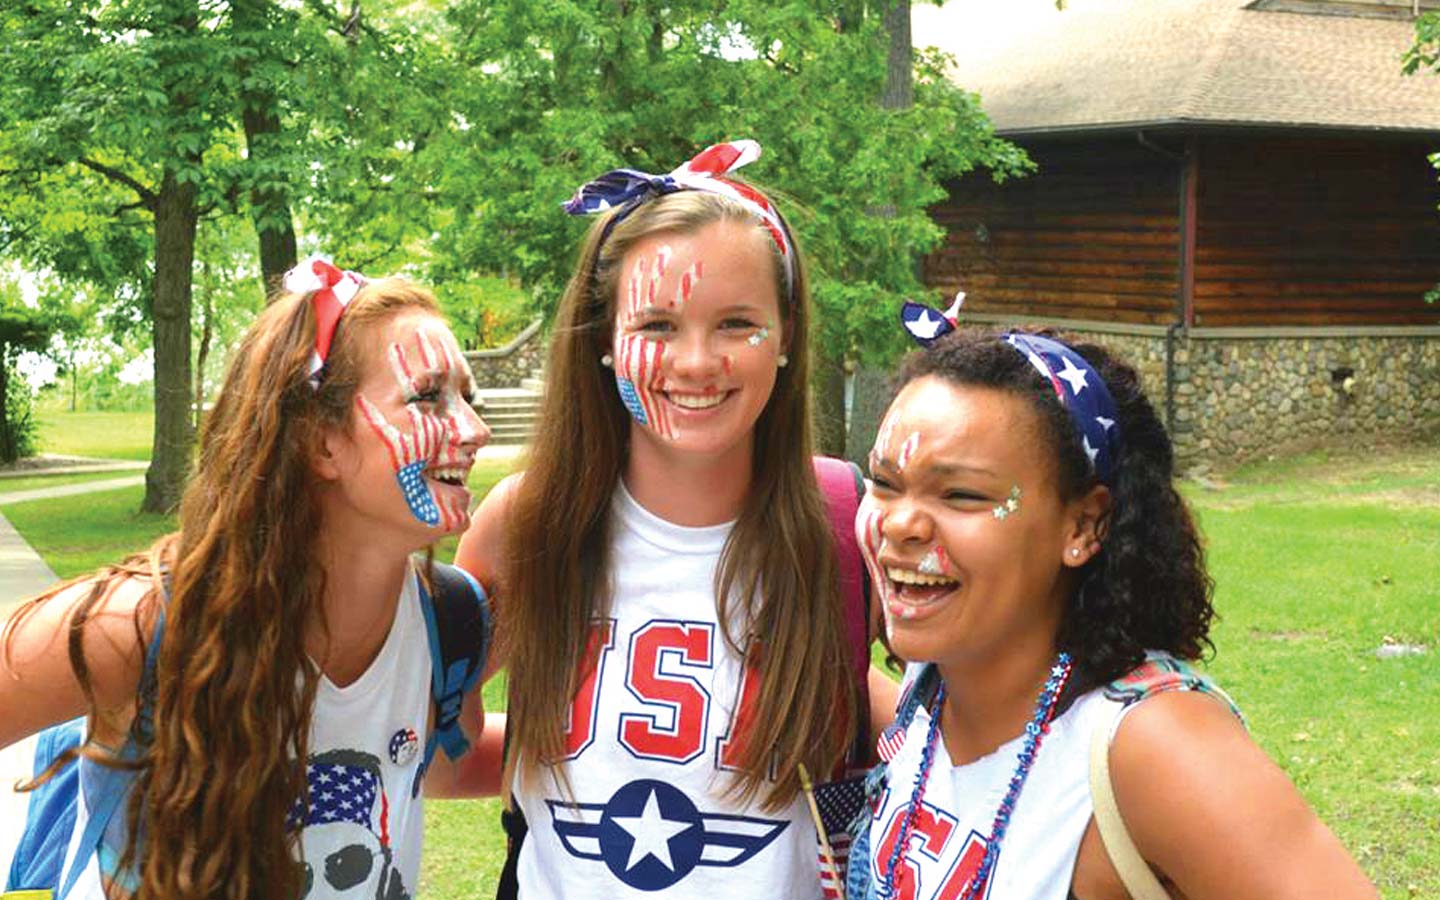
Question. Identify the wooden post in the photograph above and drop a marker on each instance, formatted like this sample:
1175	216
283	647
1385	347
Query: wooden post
1189	180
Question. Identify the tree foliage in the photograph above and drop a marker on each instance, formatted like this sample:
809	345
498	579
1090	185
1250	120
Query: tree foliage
440	137
558	92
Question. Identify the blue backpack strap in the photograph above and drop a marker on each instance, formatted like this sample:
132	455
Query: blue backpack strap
49	812
113	790
457	621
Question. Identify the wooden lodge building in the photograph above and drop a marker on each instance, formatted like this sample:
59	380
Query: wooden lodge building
1235	193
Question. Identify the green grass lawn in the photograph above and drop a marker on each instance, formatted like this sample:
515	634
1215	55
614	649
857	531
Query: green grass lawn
1316	561
83	532
114	435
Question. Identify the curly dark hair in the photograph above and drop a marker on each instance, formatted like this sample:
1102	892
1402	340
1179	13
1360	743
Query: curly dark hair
1147	588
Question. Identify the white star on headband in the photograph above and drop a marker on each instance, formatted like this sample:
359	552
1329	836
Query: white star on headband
1105	423
1089	450
1074	375
924	327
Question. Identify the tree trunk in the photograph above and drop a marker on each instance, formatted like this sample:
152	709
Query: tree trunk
269	201
827	389
176	218
8	452
207	331
899	92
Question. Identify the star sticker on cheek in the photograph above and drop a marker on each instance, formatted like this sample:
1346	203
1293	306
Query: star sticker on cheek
1010	506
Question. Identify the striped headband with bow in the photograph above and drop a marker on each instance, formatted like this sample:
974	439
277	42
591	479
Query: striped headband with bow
330	290
1078	387
631	187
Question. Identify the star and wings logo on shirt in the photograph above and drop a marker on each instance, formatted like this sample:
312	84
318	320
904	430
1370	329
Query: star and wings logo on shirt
650	835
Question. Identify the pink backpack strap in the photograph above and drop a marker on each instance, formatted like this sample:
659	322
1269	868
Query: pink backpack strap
842	486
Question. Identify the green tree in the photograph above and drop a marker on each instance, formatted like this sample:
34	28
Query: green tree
556	93
23	327
123	123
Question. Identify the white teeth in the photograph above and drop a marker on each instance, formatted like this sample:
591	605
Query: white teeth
909	576
449	475
696	401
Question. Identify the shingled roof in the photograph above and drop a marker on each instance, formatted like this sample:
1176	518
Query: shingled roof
1113	64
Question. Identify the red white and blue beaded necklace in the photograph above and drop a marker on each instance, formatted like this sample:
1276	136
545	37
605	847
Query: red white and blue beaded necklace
1035	731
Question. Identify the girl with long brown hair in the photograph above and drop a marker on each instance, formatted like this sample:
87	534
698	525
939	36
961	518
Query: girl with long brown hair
284	621
669	607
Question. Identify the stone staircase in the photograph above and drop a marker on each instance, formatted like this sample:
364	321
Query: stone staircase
511	412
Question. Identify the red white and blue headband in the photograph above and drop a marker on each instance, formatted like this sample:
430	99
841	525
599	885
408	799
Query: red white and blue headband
1078	387
628	188
330	290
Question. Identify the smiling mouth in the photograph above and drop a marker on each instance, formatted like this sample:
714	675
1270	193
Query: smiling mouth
912	591
697	401
454	476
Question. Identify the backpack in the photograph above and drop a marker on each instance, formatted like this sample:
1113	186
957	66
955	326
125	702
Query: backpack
457	622
842	486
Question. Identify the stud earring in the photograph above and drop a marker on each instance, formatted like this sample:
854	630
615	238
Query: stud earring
607	361
782	361
1074	552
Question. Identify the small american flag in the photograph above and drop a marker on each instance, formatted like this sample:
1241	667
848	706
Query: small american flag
890	742
839	803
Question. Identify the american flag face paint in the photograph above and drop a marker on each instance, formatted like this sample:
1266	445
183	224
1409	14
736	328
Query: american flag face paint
760	336
907	450
639	357
433	382
869	534
686	308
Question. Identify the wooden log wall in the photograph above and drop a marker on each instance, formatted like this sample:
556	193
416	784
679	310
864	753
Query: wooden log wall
1092	234
1315	231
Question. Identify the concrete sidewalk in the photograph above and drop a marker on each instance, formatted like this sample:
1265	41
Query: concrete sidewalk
65	490
22	574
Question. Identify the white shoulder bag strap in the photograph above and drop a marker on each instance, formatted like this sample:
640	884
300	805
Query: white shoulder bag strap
1134	872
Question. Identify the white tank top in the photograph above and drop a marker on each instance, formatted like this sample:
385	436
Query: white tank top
1036	860
648	736
1037	855
363	831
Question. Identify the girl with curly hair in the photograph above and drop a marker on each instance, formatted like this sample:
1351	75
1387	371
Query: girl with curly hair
1041	574
670	605
284	622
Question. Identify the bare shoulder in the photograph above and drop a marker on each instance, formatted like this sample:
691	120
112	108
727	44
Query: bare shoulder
40	684
482	545
1210	811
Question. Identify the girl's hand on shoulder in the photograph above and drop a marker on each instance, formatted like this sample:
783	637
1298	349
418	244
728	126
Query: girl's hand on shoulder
1214	815
38	685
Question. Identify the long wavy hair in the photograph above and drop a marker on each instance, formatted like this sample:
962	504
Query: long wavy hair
1147	588
777	572
234	690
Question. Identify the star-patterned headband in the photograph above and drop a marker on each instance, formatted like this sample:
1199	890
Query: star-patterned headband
330	290
1078	387
628	188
